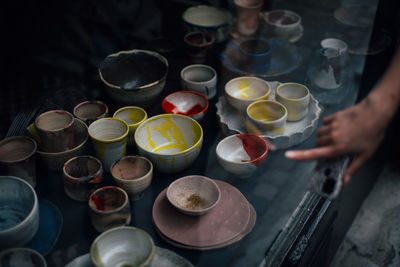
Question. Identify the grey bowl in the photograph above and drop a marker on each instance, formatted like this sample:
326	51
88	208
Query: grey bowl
19	212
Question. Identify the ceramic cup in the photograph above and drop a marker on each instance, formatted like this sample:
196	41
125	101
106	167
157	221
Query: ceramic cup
200	78
248	16
133	174
338	45
109	208
56	130
21	257
283	23
109	138
198	45
18	158
255	53
82	175
266	117
133	116
89	111
295	97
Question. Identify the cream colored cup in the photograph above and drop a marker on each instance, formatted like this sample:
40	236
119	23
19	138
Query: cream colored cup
133	116
295	97
266	117
109	138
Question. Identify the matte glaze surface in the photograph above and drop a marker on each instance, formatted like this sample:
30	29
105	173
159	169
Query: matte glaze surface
89	111
200	78
296	98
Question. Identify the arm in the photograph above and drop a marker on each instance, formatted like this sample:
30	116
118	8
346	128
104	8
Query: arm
358	130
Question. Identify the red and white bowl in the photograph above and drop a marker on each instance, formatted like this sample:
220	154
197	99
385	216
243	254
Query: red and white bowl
189	103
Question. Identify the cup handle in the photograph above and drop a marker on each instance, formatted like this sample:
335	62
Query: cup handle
33	131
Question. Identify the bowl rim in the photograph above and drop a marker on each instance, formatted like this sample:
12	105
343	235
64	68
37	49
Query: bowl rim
292	99
286	11
198	142
131	107
108	141
185	38
228	14
133	51
126	201
266	95
90	102
32	131
220	143
64	168
283	117
11	138
35	206
188	177
128	228
30	250
143	177
163	103
198	66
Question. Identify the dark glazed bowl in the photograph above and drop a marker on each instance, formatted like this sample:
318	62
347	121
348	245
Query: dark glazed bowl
135	77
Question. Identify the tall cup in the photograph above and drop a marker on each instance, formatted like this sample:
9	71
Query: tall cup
248	15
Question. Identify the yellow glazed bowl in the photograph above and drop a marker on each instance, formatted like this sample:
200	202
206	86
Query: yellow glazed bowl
266	117
295	97
242	91
172	142
133	116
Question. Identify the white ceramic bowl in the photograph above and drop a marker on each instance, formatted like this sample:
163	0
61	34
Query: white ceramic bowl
172	142
133	174
284	23
22	257
217	21
135	77
242	154
187	103
20	218
122	246
242	91
193	195
55	160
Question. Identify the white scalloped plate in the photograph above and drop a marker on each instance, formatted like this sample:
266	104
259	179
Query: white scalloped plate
295	132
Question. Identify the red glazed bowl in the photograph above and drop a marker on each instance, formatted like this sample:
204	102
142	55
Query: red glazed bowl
189	103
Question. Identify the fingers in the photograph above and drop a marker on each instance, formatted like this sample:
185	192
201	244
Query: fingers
329	119
312	154
354	166
325	140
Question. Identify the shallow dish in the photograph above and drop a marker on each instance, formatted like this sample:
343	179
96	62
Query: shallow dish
189	103
242	154
55	161
172	142
19	213
122	246
295	132
193	195
134	77
214	20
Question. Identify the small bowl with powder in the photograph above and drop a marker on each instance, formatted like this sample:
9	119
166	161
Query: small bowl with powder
194	194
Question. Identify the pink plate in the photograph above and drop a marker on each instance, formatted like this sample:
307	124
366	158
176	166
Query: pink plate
226	221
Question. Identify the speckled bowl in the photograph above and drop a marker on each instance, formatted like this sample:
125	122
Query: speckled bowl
242	154
171	141
189	103
55	160
21	257
242	91
122	246
135	77
217	21
19	213
193	195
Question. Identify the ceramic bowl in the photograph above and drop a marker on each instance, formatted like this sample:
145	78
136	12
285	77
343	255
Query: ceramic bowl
133	174
193	195
89	111
21	257
19	213
214	20
135	77
187	103
266	117
242	91
122	246
81	176
171	141
284	23
242	154
55	161
133	116
295	97
109	208
200	78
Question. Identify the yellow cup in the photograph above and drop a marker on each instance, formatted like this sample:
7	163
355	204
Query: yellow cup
133	116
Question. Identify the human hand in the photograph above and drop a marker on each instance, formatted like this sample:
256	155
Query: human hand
356	131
